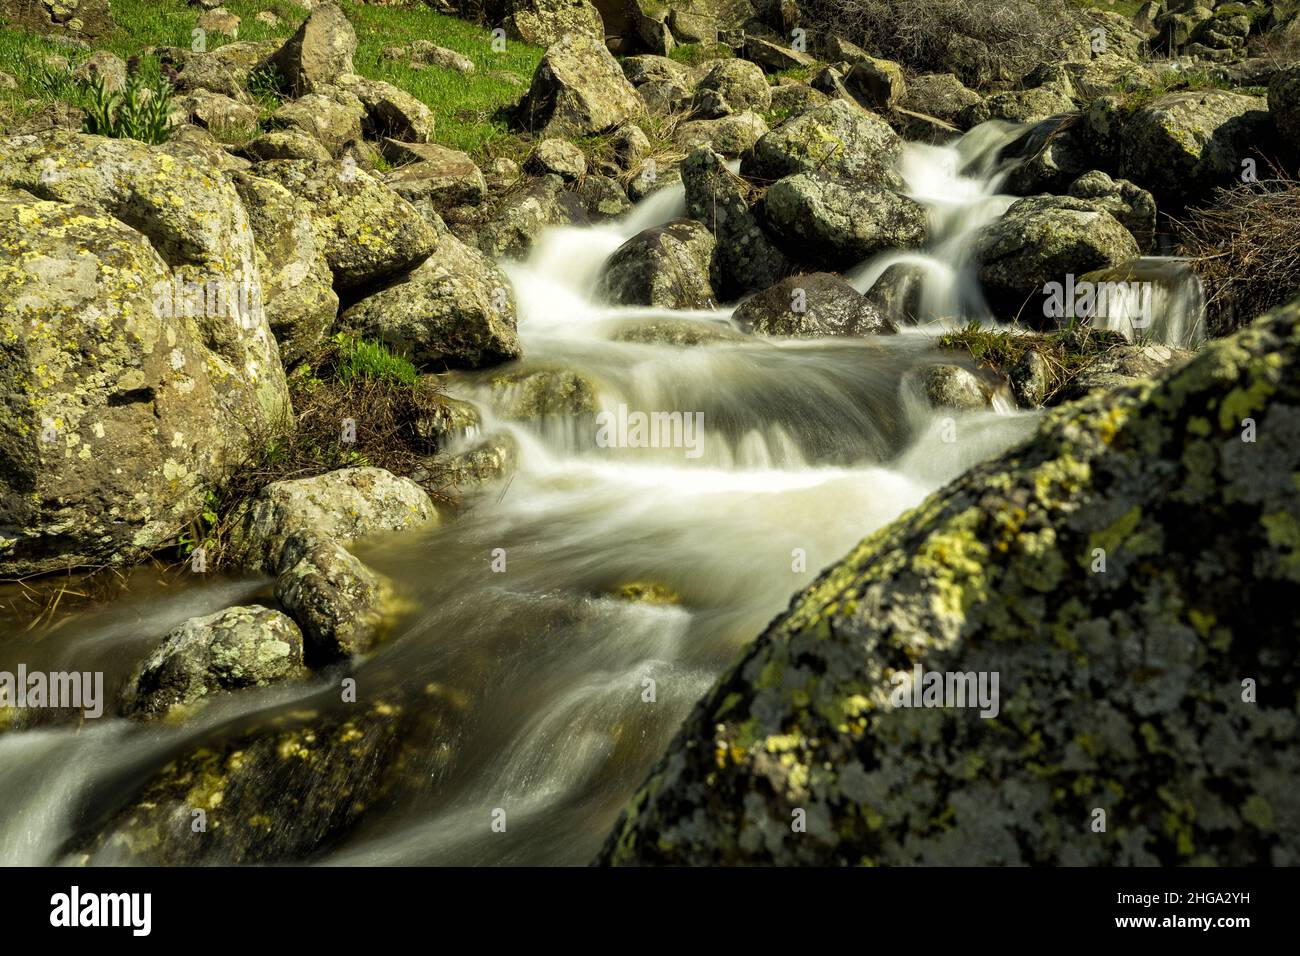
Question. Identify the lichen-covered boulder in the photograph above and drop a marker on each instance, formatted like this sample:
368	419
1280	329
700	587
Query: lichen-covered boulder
1128	574
389	111
840	223
456	310
733	86
288	517
529	208
812	305
834	139
557	156
368	231
232	649
286	144
875	83
1284	104
727	135
339	603
1130	204
319	52
669	266
1043	239
746	258
1182	145
225	69
533	394
579	89
332	120
1018	106
445	177
297	292
272	793
543	22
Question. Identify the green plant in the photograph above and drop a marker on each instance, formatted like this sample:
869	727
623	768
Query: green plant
361	358
140	110
266	86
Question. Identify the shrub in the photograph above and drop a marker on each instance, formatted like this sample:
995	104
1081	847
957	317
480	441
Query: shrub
1245	246
140	110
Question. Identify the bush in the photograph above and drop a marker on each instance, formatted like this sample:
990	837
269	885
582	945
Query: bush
1245	246
139	111
977	39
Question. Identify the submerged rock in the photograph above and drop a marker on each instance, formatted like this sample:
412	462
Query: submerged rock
1121	573
669	266
529	395
232	649
815	304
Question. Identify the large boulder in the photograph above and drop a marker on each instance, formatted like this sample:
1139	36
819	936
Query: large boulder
579	89
232	649
526	210
812	305
1044	239
297	291
745	257
1182	145
727	135
1132	206
838	223
445	177
389	111
456	310
367	231
543	22
319	52
332	120
225	69
834	139
733	86
668	266
1128	577
289	517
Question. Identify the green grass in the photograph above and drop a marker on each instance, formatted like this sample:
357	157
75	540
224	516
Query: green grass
693	54
469	109
1126	8
363	359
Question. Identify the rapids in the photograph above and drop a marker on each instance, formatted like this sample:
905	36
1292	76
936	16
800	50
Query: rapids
808	446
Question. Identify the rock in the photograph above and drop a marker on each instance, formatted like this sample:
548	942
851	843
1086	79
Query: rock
1030	379
664	98
833	140
876	84
1043	239
336	600
577	90
897	293
225	70
631	146
1181	145
108	68
941	95
646	68
286	144
330	120
233	649
445	177
319	52
791	99
690	27
427	53
1109	697
491	460
745	257
1018	106
1284	105
121	406
1135	208
277	792
667	266
219	20
1121	366
955	388
222	116
775	56
368	232
196	145
728	135
678	332
287	518
297	292
532	394
1055	154
816	304
526	211
449	421
918	127
602	197
267	18
389	111
556	156
738	84
544	22
839	224
456	310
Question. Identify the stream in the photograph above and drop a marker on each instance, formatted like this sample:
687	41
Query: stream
806	447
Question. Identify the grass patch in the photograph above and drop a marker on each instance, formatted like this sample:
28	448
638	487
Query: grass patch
138	111
693	54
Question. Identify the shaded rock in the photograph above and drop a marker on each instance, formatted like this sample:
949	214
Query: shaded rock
1134	207
1121	366
875	83
1136	707
833	140
897	293
455	310
579	89
667	266
230	650
367	230
389	111
841	223
336	600
941	95
1284	105
631	146
225	69
286	144
319	52
529	209
815	304
297	292
775	56
745	257
603	198
289	517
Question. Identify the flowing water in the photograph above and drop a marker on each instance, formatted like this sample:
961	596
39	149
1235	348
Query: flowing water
806	447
